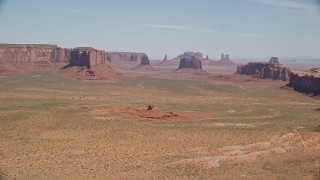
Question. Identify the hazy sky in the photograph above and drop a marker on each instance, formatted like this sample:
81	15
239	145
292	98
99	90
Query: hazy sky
243	28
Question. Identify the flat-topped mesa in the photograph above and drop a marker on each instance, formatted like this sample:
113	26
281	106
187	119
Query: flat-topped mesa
190	62
125	57
270	70
87	56
306	81
17	53
87	63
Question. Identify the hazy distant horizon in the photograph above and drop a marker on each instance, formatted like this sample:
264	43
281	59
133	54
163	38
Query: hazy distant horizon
254	29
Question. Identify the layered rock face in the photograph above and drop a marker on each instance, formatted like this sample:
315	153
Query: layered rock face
87	63
145	60
125	57
190	62
78	63
87	56
269	70
306	82
197	55
13	53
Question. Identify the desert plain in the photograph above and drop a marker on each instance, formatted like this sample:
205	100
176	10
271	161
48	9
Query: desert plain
52	127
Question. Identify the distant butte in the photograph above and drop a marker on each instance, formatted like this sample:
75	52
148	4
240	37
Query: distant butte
125	58
224	61
165	60
144	64
190	62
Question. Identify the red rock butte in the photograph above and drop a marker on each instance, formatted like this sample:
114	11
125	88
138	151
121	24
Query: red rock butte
87	56
190	62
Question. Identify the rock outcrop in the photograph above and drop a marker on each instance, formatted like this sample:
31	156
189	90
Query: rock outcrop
270	70
87	56
190	62
165	60
77	63
144	65
274	60
18	59
12	53
186	54
224	61
306	82
87	63
145	60
125	57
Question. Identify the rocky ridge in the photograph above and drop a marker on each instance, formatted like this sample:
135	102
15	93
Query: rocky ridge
33	52
271	70
306	81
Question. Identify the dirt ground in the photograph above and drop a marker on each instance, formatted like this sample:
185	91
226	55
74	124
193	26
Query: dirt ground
198	128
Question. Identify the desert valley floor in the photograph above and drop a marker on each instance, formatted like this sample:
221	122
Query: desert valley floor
57	128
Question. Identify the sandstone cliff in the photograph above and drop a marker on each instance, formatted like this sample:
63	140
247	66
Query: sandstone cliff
145	60
190	62
271	70
79	63
87	63
197	55
32	52
87	56
125	57
17	59
306	82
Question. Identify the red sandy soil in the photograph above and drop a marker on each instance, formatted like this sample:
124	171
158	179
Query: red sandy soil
23	68
100	72
143	68
192	71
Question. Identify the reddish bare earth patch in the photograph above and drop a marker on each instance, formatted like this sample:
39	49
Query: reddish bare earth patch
98	72
154	115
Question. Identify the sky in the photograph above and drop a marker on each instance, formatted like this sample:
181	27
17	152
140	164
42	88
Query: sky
241	28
